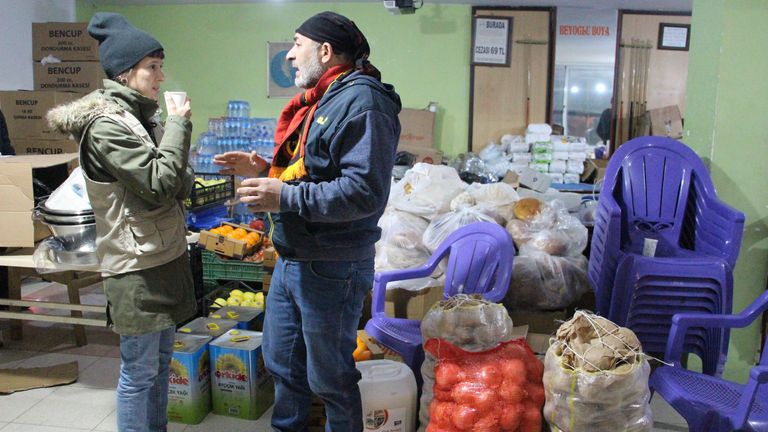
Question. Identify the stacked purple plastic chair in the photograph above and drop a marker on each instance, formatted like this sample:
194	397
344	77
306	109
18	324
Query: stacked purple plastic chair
657	188
480	259
710	403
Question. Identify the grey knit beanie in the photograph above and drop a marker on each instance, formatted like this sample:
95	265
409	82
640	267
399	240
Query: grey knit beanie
121	45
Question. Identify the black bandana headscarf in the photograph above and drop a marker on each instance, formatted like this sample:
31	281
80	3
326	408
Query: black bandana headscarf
344	37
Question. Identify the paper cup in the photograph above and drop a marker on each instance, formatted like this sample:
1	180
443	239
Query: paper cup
178	97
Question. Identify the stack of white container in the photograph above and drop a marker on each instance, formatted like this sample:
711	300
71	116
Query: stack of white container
561	157
568	156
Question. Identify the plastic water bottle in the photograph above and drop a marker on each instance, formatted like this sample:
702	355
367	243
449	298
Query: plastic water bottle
193	163
231	108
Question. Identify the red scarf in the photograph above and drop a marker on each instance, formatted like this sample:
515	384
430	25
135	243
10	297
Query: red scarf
288	155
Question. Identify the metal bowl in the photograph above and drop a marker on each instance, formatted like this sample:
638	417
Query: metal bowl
75	237
75	259
38	214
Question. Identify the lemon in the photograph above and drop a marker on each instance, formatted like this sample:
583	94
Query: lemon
249	295
247	303
235	293
259	297
219	302
233	301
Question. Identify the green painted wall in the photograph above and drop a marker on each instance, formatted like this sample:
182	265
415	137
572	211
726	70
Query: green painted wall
219	52
726	109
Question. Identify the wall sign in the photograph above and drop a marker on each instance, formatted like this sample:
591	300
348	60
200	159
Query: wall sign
280	74
674	36
491	38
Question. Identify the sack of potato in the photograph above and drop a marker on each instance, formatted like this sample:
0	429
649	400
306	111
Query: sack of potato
596	378
469	322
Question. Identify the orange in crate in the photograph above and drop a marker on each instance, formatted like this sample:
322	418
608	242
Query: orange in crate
252	238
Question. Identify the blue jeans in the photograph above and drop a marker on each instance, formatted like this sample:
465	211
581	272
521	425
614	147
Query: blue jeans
310	332
142	391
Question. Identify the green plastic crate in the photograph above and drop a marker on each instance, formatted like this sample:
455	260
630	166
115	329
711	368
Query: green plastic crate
215	268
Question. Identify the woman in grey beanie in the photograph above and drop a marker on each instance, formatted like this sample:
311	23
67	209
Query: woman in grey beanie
137	177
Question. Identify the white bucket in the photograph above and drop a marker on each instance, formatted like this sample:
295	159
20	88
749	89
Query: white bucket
388	391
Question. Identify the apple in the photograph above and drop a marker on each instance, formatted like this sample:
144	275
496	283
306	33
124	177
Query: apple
257	224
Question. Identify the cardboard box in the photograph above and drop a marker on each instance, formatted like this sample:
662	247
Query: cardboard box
512	178
544	322
423	154
25	111
65	41
266	281
538	342
80	77
594	170
376	351
225	245
666	121
18	200
402	303
416	128
270	257
44	147
535	180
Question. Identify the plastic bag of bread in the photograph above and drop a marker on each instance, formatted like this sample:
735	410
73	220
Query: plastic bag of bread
426	190
402	229
553	231
467	321
493	194
526	209
520	231
400	246
545	282
596	378
391	257
443	225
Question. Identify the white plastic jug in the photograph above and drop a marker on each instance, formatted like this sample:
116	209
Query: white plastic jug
388	391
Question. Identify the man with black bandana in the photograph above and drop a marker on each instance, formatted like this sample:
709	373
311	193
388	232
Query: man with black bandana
325	192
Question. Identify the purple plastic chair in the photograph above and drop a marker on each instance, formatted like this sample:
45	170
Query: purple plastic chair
657	188
709	403
479	261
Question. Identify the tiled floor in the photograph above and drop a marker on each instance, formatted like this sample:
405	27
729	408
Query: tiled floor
89	403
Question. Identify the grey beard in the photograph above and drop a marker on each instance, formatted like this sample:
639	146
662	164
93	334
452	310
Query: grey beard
311	74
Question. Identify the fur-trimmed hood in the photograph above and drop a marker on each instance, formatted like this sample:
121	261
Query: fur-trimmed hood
72	117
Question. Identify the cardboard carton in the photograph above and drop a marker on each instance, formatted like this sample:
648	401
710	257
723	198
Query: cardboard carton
270	257
512	178
25	111
44	147
227	246
402	303
666	121
543	322
417	128
79	77
594	170
376	351
18	200
535	180
266	281
65	41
